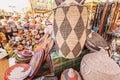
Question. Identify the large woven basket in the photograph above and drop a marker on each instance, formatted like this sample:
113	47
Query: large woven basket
94	41
70	23
99	67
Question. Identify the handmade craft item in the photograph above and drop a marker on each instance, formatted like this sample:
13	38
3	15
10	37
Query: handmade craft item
70	74
23	56
98	66
94	41
17	72
58	2
36	62
70	23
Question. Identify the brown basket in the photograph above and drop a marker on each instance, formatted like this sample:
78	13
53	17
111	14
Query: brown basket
94	41
99	67
70	29
58	2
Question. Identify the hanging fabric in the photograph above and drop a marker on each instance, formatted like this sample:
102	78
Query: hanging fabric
108	11
97	17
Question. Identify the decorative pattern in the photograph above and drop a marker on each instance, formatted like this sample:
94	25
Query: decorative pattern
65	75
70	29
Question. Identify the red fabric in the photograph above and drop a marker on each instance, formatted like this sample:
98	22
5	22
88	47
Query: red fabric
0	39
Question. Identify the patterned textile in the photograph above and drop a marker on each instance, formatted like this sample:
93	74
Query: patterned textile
70	29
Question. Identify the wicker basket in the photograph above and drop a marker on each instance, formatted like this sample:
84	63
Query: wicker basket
94	41
99	67
70	23
58	2
67	73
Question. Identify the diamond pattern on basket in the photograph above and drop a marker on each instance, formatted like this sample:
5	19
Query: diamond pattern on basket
65	28
71	17
55	28
79	28
77	49
65	49
70	33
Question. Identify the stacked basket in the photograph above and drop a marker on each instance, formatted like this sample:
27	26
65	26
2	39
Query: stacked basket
95	41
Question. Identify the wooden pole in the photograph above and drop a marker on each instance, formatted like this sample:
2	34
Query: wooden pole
103	18
112	15
113	25
1	45
33	12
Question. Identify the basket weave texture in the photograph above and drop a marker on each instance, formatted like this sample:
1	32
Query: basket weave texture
98	66
94	41
65	76
70	29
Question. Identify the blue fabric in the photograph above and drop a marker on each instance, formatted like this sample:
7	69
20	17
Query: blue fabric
95	29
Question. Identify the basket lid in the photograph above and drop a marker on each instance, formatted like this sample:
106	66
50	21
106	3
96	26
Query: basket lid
99	62
96	39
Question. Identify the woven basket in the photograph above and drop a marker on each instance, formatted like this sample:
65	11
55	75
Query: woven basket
99	67
94	41
70	23
58	2
65	76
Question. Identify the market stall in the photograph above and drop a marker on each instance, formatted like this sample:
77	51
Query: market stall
79	42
